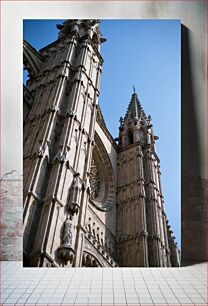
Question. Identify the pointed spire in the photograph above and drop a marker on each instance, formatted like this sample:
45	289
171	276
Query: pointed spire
135	109
134	89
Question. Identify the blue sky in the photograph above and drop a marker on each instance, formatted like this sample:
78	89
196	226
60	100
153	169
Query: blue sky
146	53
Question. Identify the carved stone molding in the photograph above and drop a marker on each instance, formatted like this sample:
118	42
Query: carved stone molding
101	178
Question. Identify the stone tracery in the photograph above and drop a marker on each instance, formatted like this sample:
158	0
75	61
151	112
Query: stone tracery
101	178
94	180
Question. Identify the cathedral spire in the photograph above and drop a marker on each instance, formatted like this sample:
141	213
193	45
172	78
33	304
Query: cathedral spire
134	89
134	109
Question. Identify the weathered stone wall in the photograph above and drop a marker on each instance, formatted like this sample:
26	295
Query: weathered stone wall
11	225
195	220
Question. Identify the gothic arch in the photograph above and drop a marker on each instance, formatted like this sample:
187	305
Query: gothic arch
130	136
101	177
143	134
89	260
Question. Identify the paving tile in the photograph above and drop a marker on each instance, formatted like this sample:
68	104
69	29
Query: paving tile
120	301
119	290
10	290
54	300
94	301
46	295
107	290
197	300
132	300
140	286
72	294
83	287
144	296
94	295
145	301
119	294
142	290
160	302
169	296
81	301
32	300
184	300
69	299
203	295
99	291
131	295
107	300
171	300
15	296
10	301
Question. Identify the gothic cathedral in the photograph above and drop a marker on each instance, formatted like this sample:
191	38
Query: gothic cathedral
89	200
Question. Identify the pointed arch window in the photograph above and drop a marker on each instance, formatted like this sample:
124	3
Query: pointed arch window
130	136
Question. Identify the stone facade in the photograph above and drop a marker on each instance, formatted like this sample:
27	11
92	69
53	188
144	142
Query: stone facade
88	201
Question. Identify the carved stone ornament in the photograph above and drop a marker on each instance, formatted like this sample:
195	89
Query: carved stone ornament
96	184
101	179
74	195
94	180
65	251
35	261
47	263
89	260
67	235
40	150
62	155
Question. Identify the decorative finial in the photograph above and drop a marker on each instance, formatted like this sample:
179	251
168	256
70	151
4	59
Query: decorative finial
134	89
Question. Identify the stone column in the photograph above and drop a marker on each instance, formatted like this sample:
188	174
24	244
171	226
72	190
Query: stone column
143	221
151	206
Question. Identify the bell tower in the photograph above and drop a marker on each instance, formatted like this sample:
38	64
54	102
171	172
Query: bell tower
142	238
60	107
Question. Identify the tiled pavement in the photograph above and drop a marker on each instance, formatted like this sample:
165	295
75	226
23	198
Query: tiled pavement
106	286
